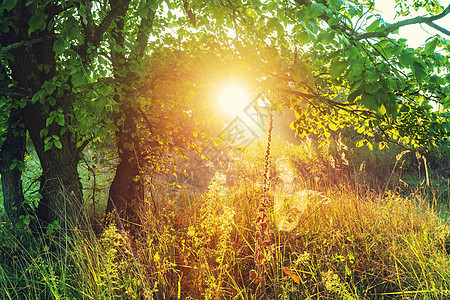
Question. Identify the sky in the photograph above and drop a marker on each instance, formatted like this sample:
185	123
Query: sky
415	34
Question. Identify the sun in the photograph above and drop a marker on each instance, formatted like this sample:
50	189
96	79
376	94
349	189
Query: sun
233	98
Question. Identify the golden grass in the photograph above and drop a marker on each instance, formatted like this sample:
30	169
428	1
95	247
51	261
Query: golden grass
341	243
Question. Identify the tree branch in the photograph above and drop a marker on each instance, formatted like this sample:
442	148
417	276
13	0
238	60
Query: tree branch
89	27
116	10
145	27
439	28
23	43
417	20
312	96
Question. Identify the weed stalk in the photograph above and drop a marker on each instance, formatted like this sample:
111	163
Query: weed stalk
262	238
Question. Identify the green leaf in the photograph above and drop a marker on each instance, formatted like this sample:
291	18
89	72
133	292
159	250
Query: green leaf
59	46
313	26
272	6
49	120
356	68
26	220
372	27
104	90
315	10
273	23
77	79
52	101
406	59
20	166
102	132
352	96
48	145
37	96
57	144
372	76
333	21
325	37
392	83
13	166
436	79
80	143
9	4
419	71
37	22
118	48
303	37
370	101
447	77
352	11
153	5
352	52
430	47
60	120
373	88
337	68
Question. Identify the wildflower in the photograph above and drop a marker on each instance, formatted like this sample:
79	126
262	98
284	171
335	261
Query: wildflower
302	259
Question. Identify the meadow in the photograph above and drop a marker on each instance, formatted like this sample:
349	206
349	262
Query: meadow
364	225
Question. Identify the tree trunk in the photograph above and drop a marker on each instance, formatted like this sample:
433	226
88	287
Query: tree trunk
60	187
12	152
126	194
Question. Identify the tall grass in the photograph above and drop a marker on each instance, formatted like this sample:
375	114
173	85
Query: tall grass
328	241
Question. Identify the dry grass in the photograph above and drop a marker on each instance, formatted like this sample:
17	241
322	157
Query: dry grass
341	242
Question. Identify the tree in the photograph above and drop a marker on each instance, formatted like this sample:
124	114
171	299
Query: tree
56	87
74	73
78	72
337	63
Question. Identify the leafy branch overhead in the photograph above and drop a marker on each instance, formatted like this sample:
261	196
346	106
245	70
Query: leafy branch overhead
390	28
342	61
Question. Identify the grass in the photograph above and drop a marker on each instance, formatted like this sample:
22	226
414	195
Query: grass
326	242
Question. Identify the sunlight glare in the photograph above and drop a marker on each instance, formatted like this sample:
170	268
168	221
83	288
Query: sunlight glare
233	99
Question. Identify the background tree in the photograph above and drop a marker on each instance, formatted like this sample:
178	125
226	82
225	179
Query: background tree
338	63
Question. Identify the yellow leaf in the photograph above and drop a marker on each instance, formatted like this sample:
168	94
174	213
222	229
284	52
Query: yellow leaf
253	275
360	143
296	279
286	270
332	126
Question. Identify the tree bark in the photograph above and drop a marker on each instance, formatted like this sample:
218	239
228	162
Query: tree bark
60	184
126	194
12	151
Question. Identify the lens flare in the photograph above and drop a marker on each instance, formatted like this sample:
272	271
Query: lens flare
233	98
